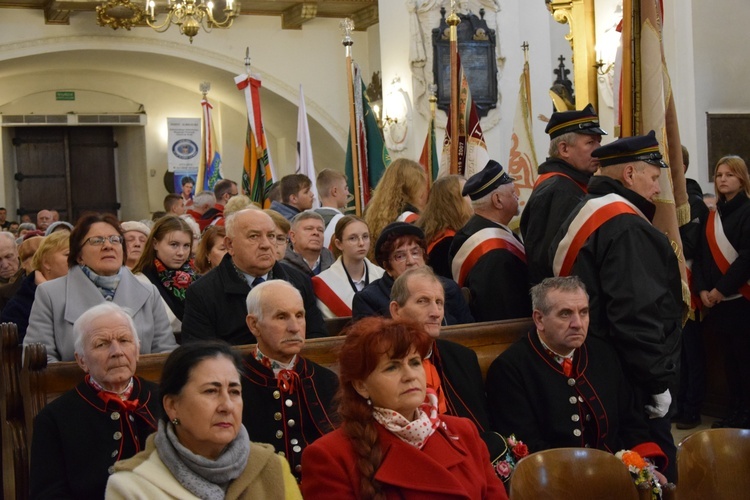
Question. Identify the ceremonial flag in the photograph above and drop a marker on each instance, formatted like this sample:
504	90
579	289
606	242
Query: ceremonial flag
304	146
372	155
472	150
209	171
650	91
258	174
522	162
429	158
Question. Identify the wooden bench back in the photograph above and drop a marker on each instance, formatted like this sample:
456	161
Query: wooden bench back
12	424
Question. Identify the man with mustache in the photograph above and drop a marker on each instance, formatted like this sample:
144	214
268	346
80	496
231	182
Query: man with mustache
288	399
215	304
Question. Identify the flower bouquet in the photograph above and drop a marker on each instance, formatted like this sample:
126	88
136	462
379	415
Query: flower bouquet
641	470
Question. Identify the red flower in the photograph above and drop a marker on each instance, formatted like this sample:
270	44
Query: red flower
520	450
181	279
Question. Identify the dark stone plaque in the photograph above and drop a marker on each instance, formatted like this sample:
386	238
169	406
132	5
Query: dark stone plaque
728	134
476	47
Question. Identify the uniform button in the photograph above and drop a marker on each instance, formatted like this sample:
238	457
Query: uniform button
588	418
115	416
587	445
575	418
291	423
580	399
297	468
111	469
577	432
117	435
288	403
276	394
277	416
282	454
279	434
114	454
294	441
131	418
573	400
297	449
571	382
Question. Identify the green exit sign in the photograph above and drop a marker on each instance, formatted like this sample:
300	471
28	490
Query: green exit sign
65	96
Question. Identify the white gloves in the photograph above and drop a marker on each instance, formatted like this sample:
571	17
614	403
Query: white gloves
660	404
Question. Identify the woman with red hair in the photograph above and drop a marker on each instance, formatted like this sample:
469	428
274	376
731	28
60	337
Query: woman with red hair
392	443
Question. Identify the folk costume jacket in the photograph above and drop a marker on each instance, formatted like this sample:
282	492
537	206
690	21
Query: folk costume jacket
375	300
334	290
454	464
499	280
531	397
635	292
78	438
215	305
59	302
550	203
288	413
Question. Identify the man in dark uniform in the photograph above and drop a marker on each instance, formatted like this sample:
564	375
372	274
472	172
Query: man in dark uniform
631	274
288	399
556	388
487	257
452	369
215	304
561	185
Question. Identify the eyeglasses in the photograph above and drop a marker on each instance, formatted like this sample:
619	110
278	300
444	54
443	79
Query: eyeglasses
416	253
280	239
354	239
97	241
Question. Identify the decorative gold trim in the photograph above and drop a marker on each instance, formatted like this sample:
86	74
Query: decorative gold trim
119	14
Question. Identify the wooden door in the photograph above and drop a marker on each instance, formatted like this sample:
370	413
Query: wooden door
68	169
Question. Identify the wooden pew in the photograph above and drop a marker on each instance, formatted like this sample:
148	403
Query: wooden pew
13	428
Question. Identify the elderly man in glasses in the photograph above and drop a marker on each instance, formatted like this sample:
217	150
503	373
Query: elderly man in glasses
97	274
401	246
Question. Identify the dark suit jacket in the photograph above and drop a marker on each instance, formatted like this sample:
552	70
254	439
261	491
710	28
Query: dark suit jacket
499	281
375	300
453	464
215	305
78	438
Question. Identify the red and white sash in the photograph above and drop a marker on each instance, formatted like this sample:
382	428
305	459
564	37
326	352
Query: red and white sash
592	215
334	292
722	250
481	242
408	216
546	176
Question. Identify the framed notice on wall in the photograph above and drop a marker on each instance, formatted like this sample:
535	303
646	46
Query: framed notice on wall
728	134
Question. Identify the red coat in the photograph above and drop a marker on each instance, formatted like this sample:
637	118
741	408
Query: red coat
446	468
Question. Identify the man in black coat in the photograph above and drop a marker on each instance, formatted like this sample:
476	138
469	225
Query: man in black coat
79	436
401	246
215	304
631	274
561	185
556	388
288	399
487	257
452	369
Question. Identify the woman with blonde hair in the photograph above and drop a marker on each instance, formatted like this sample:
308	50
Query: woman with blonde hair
445	213
720	277
400	195
350	273
50	261
392	442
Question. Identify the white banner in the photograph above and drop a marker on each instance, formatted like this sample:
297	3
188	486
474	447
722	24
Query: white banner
183	139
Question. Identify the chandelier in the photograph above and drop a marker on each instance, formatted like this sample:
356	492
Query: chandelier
190	16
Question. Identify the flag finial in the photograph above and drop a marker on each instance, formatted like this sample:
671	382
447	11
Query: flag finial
347	26
205	87
247	60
